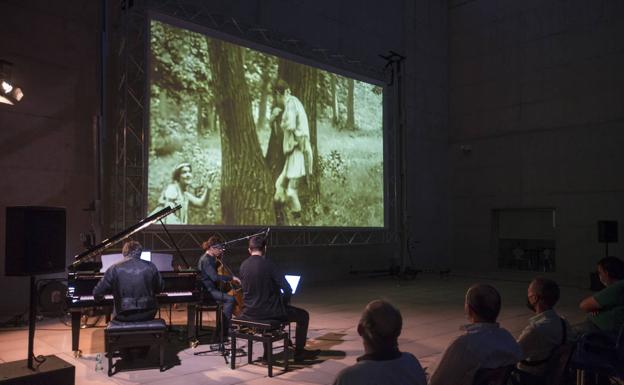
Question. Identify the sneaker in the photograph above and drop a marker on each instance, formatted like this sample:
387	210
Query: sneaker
304	354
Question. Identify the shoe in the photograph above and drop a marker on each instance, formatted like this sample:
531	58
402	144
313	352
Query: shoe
304	354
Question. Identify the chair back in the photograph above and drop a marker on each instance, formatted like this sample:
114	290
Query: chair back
558	364
493	376
619	352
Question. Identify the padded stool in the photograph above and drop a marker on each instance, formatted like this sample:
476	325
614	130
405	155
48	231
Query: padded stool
119	335
265	331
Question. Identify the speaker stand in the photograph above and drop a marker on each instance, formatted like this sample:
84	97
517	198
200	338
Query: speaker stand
32	314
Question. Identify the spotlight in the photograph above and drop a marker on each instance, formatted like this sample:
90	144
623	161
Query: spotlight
9	92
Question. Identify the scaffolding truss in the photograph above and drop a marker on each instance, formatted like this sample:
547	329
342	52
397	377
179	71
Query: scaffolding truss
128	176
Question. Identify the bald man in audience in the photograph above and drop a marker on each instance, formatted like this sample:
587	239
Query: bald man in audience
545	332
382	362
484	345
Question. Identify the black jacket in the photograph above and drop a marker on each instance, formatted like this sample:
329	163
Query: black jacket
134	284
262	281
207	267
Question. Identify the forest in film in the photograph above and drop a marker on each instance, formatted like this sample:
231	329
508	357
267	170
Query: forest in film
211	107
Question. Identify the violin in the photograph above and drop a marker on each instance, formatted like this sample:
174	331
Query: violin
231	287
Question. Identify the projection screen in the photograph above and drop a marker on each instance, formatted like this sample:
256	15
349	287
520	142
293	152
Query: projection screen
240	137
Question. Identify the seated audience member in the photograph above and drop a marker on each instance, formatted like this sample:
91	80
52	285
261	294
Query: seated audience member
545	332
484	345
382	362
606	308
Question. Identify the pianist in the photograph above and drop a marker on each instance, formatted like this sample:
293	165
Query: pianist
134	284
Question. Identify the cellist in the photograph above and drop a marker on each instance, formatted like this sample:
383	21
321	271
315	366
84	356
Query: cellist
213	281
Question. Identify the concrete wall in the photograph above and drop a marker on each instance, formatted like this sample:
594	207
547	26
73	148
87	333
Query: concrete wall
46	140
536	120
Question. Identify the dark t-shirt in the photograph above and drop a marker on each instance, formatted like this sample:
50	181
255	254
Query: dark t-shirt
610	317
262	281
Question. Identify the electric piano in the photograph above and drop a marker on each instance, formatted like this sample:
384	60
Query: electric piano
180	286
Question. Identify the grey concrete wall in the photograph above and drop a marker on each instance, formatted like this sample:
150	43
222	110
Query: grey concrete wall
536	120
46	140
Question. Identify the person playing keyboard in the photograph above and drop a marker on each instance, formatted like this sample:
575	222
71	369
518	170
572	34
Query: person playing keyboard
133	283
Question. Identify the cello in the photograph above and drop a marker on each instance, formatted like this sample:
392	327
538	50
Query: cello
231	287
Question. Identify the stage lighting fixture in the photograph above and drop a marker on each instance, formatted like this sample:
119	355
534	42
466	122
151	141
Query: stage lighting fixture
9	92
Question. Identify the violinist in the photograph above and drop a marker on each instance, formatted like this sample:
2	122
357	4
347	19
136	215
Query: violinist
213	281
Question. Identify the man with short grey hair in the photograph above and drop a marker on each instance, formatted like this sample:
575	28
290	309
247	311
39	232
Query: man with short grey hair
134	284
382	363
485	345
545	332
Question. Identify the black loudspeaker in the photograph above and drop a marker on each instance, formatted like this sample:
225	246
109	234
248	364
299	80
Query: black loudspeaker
35	240
607	231
52	371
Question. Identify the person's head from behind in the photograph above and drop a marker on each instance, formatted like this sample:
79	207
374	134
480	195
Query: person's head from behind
483	303
132	249
257	245
380	327
182	174
542	294
213	246
281	90
610	270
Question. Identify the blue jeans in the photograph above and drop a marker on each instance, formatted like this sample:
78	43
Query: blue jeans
228	305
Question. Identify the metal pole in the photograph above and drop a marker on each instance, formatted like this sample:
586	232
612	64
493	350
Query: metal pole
32	311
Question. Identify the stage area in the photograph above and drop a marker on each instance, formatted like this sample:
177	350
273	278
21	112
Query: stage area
432	309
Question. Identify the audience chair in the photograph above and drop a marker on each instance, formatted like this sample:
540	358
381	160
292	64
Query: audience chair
599	354
493	376
559	365
265	331
120	335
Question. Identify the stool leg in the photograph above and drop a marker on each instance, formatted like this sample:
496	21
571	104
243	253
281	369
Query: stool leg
233	352
249	350
162	354
269	353
109	353
286	354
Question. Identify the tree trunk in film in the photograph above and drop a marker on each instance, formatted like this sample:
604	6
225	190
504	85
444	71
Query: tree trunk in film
302	81
334	97
264	94
351	106
246	186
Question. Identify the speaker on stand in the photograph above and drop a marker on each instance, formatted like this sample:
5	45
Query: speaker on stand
35	244
607	233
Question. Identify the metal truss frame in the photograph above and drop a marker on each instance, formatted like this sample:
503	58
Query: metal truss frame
128	179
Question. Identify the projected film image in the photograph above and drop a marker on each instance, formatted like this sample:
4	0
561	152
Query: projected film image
241	137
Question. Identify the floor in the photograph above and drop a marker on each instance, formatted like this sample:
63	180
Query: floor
432	311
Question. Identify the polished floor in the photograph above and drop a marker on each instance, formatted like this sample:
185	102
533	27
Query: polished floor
432	311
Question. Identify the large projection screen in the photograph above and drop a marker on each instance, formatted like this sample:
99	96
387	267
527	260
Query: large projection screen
240	137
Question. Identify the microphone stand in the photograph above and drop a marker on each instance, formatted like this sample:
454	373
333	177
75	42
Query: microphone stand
225	244
221	346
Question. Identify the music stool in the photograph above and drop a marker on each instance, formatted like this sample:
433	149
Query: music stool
119	335
208	304
265	331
